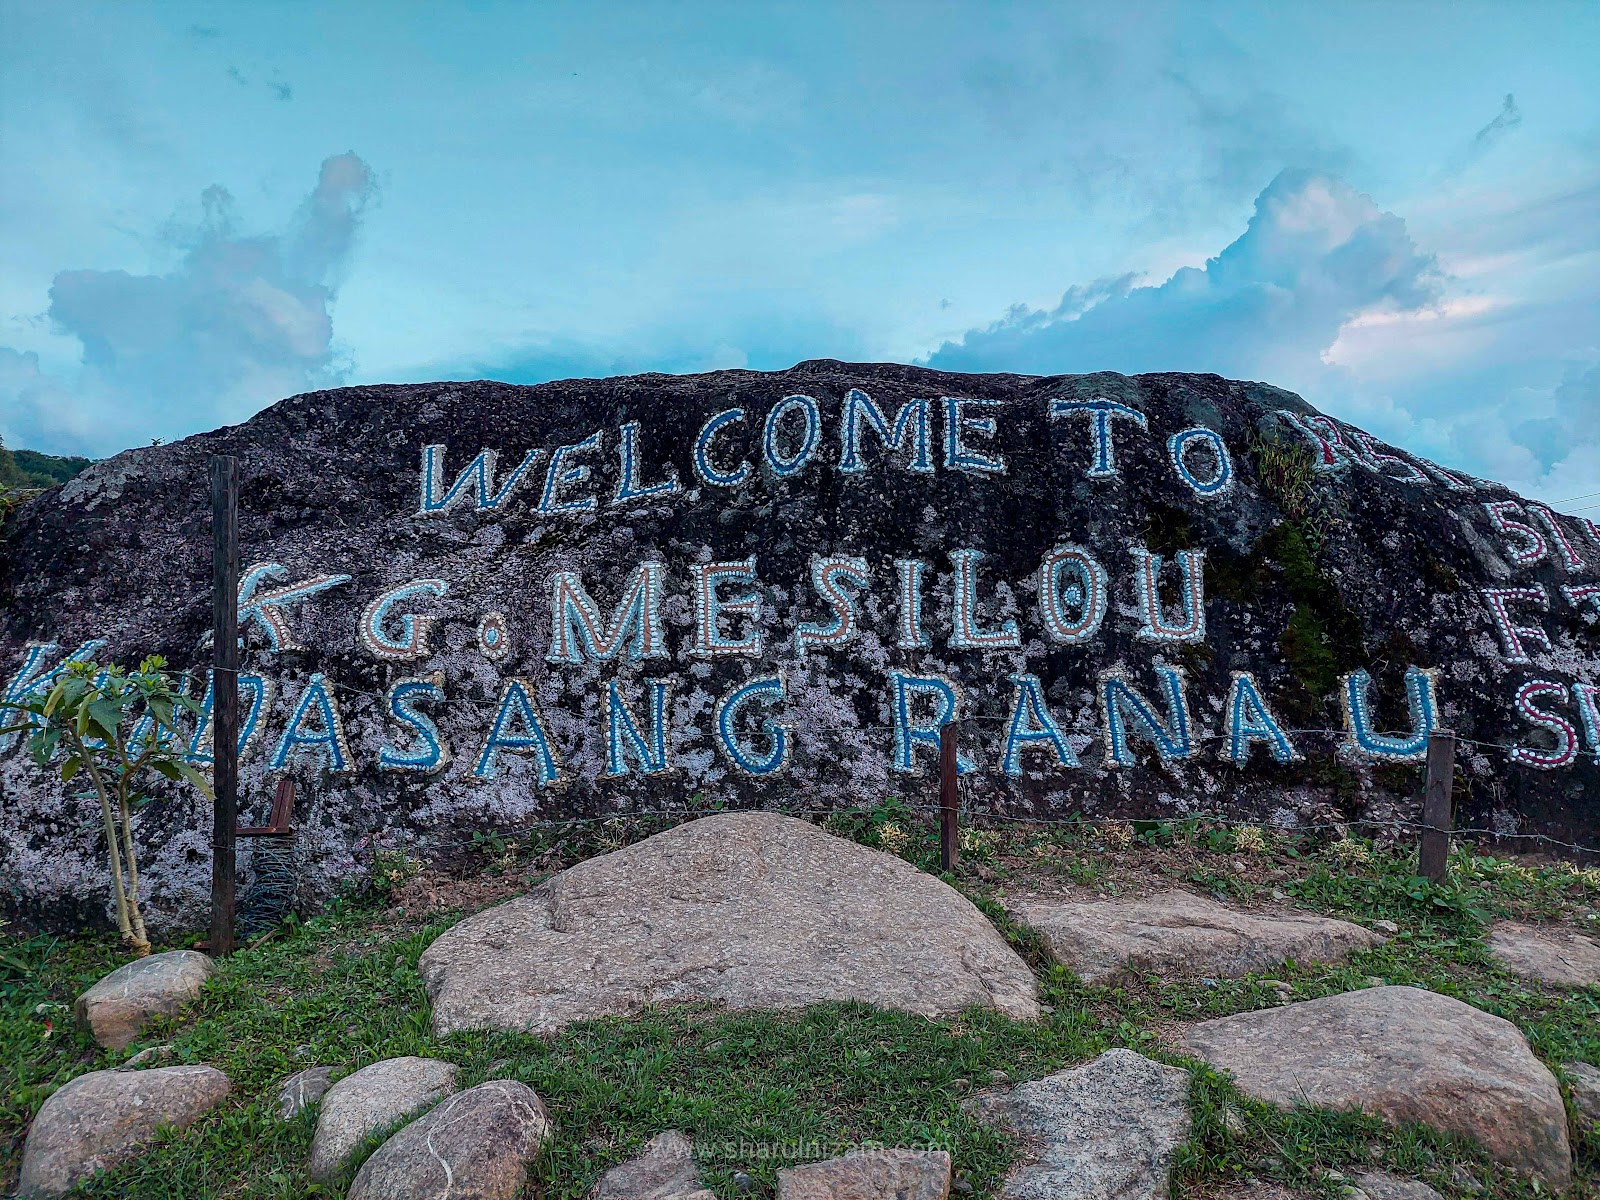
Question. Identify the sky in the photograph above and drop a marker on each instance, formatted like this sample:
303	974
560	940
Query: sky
1393	210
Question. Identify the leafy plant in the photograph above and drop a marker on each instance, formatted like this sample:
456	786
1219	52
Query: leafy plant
117	729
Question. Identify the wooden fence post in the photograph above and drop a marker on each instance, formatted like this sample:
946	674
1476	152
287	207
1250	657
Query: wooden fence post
949	799
1437	818
225	703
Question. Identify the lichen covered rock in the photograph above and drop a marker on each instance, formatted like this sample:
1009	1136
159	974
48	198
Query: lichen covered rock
470	605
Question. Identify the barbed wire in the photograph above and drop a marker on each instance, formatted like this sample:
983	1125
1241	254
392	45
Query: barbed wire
1225	820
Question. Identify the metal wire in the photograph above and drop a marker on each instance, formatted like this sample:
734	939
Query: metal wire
274	883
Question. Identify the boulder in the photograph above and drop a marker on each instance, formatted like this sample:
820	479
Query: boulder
1380	1185
887	1174
1106	1129
1584	1081
527	548
159	985
1549	954
663	1170
1402	1054
101	1119
1177	934
474	1146
301	1090
750	910
370	1101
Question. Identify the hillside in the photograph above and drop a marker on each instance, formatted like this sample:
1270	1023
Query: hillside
31	469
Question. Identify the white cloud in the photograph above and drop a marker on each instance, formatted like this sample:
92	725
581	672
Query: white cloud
242	321
1327	294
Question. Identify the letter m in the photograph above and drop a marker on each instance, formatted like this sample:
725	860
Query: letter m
908	433
578	633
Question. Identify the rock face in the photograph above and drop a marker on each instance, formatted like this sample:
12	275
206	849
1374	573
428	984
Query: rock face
1106	1129
1549	955
370	1100
1176	934
751	910
1402	1054
118	1007
474	1146
889	1174
301	1090
1585	1082
101	1119
468	604
663	1170
1380	1185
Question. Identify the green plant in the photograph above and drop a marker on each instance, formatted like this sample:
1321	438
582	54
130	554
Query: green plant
1286	470
117	729
391	868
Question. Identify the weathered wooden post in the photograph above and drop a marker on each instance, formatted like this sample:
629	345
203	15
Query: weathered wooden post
1437	818
225	703
949	799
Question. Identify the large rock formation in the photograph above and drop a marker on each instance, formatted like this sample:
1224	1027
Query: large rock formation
476	604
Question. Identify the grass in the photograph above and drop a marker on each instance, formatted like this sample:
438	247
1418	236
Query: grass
758	1091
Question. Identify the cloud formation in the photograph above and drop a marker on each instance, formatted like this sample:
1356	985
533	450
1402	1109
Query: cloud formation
1326	294
1315	253
243	320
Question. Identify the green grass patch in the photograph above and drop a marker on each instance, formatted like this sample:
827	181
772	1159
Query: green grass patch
759	1091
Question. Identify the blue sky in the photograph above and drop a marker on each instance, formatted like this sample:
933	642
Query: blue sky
1392	209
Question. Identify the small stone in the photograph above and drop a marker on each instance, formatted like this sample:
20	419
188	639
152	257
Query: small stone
1380	1185
301	1090
475	1145
101	1119
371	1100
1548	954
149	1055
1584	1080
663	1170
890	1174
1107	1128
159	985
